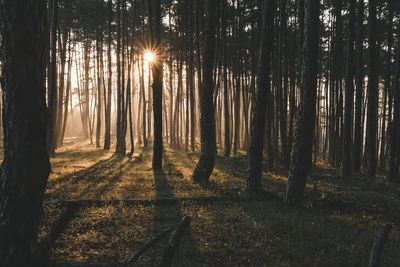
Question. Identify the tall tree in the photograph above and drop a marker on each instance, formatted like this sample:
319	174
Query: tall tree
107	97
262	98
302	158
157	70
349	94
25	165
52	79
394	159
372	91
358	128
206	162
99	60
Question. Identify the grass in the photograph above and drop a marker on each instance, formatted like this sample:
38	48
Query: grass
248	233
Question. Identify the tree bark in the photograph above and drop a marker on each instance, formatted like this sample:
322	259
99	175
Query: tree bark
157	70
25	166
372	91
262	99
205	165
358	128
349	95
52	80
302	158
107	107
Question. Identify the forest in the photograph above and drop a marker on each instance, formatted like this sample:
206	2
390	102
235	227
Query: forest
200	133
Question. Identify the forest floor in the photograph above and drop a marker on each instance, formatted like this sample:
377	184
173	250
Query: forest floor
336	226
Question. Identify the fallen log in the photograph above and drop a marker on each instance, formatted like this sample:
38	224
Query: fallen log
377	249
148	244
44	246
173	243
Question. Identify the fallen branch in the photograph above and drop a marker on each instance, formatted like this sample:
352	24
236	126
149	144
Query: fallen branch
55	230
148	244
173	243
377	249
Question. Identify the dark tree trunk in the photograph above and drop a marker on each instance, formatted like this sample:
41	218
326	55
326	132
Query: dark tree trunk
349	95
388	85
99	57
302	158
143	94
205	165
157	85
358	128
227	146
262	99
67	95
372	91
107	108
192	103
281	103
394	160
25	165
52	80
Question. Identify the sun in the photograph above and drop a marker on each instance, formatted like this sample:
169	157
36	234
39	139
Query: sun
149	56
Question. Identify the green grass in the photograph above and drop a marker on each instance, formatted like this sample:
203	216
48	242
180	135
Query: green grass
249	233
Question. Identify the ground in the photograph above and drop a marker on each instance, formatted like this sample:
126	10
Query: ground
336	226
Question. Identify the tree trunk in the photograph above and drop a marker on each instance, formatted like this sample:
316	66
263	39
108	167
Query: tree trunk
205	165
302	158
107	133
349	95
157	70
262	99
372	91
358	126
52	80
394	160
25	166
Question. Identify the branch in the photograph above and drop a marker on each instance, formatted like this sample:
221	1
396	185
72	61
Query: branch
148	244
377	249
55	230
173	243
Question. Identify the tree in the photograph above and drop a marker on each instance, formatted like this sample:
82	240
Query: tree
262	98
372	91
157	84
25	165
302	158
349	95
394	159
52	79
107	96
206	162
359	89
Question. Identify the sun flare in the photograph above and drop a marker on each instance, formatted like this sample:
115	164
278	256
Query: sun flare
149	56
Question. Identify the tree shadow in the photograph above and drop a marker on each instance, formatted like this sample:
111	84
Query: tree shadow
166	215
93	182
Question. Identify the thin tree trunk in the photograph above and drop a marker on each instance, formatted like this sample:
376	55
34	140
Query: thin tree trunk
372	91
358	126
